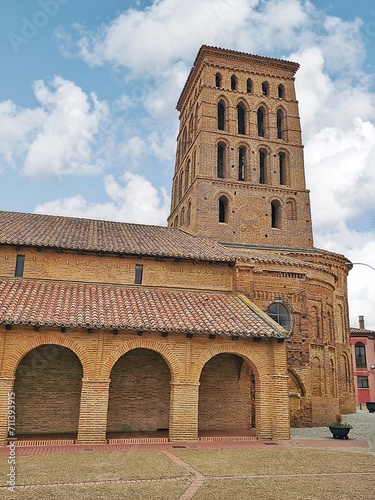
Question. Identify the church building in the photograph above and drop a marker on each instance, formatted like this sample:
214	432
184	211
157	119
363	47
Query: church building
228	322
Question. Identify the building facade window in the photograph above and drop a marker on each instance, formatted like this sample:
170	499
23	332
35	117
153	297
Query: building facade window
20	264
233	82
282	169
220	159
362	383
360	355
280	118
249	86
241	114
262	166
281	91
280	313
261	114
138	277
276	214
241	163
265	88
221	115
223	209
218	80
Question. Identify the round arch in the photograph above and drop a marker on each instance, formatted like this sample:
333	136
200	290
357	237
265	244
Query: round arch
23	349
255	361
169	357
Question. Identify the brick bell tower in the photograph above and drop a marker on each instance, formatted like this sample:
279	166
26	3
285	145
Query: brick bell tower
239	174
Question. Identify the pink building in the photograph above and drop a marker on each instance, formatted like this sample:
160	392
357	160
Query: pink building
363	348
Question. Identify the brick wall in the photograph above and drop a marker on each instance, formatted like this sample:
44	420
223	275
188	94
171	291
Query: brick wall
139	393
48	391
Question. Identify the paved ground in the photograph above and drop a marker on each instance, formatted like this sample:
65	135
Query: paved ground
311	466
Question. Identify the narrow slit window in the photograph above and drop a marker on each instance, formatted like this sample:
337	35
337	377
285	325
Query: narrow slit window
282	168
138	274
262	167
241	119
20	263
223	209
221	116
280	124
241	163
220	160
260	120
275	214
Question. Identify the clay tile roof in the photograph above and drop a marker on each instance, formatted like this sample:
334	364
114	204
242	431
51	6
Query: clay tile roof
105	236
75	305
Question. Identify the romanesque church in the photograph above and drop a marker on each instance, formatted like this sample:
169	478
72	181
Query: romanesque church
228	322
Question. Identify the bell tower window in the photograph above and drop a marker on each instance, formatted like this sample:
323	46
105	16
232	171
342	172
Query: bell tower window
218	80
223	209
275	214
260	121
233	82
241	163
220	159
221	115
241	119
280	123
262	166
265	88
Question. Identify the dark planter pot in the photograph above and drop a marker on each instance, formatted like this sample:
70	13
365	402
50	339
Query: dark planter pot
370	405
340	432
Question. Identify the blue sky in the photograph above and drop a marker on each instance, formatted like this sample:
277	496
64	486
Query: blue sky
87	107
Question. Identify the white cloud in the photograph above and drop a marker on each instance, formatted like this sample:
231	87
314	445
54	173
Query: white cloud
58	136
133	199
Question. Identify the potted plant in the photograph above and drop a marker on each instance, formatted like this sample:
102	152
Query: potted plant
339	429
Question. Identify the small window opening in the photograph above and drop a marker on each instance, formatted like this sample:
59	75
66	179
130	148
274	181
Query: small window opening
249	86
138	274
241	163
221	115
233	82
275	214
265	88
280	124
282	168
220	159
260	120
218	80
223	209
262	166
20	262
241	119
281	91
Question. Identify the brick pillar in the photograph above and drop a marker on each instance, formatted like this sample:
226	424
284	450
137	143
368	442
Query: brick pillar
281	417
92	426
183	420
6	387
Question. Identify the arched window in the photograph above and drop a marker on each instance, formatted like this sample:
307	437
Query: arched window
261	114
281	91
182	217
280	118
241	119
221	115
262	166
282	169
360	355
184	141
233	82
193	163
218	80
187	176
249	86
220	159
265	88
275	214
223	209
241	163
180	186
280	313
315	322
